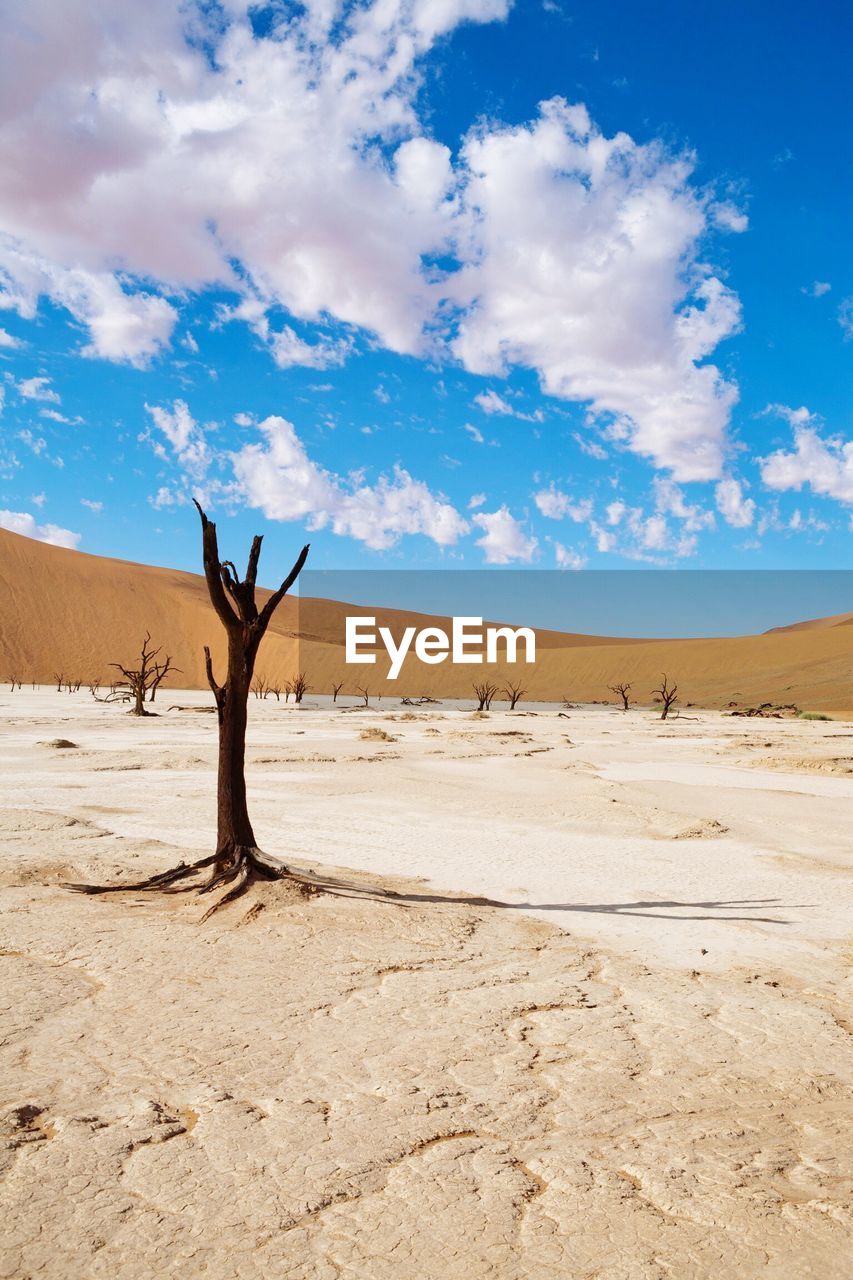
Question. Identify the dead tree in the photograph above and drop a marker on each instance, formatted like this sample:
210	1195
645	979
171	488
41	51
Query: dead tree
237	861
514	692
60	681
363	692
14	683
484	694
336	688
162	670
668	695
275	689
139	680
622	690
298	686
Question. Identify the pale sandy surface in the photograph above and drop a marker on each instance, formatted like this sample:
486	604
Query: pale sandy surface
638	1067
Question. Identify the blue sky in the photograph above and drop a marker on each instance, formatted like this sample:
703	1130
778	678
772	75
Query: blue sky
435	285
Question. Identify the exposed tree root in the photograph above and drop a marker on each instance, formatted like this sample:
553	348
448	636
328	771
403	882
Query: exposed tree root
239	868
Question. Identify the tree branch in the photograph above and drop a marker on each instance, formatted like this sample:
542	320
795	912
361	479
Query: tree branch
213	572
277	597
211	679
254	556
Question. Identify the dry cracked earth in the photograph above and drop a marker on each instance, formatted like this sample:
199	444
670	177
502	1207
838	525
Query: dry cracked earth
264	1097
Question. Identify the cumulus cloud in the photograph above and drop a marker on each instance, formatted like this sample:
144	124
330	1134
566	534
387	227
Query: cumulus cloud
8	342
817	289
562	222
277	476
185	437
37	389
556	505
280	479
316	193
729	217
822	463
504	539
490	402
643	535
736	509
566	558
670	500
24	523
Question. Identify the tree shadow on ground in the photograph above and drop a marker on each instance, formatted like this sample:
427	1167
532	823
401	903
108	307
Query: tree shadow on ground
737	909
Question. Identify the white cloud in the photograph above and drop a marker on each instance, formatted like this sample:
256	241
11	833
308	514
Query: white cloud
315	190
37	389
24	523
108	108
566	558
504	539
824	464
280	479
793	417
729	217
285	346
7	340
817	289
670	500
735	509
96	507
556	505
651	536
845	317
37	444
490	402
563	221
186	438
476	436
476	500
590	447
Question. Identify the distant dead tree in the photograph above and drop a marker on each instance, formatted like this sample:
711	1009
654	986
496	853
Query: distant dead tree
668	695
139	680
60	681
275	689
260	688
237	861
336	688
94	686
299	686
622	690
514	693
14	683
363	692
163	669
484	693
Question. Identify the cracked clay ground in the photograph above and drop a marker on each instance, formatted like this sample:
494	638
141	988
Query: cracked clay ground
641	1071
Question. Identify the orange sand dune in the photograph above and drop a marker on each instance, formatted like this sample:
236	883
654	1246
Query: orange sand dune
66	612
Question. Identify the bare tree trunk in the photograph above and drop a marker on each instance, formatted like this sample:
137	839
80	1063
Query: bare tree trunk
237	860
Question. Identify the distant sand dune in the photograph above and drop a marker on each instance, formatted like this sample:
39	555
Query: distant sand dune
63	611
